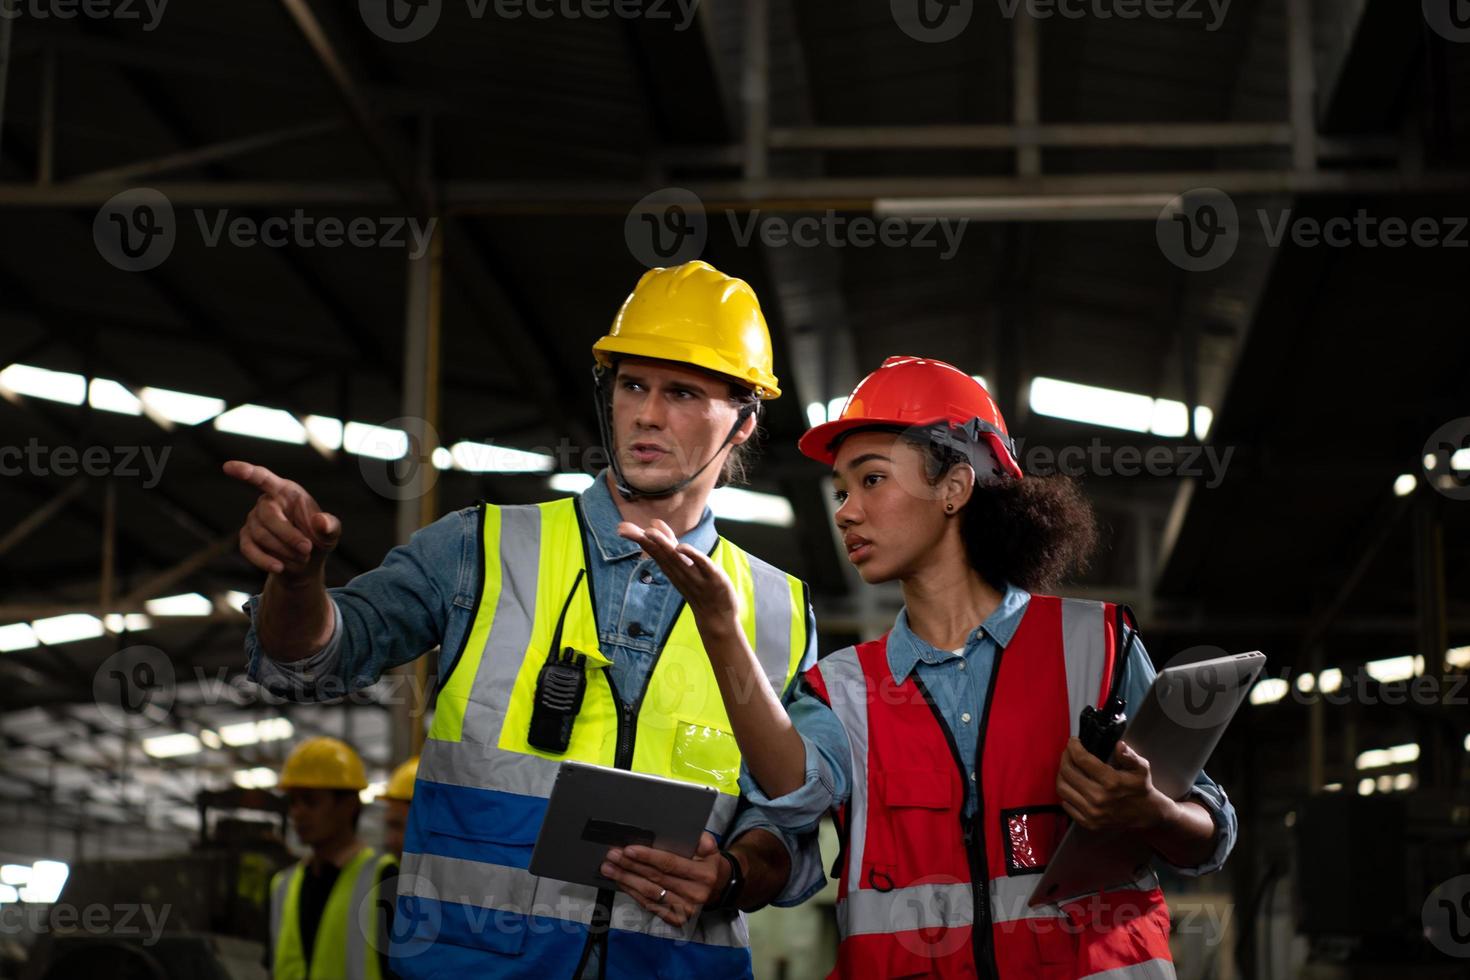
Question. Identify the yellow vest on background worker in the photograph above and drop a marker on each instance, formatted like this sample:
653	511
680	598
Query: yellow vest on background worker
345	947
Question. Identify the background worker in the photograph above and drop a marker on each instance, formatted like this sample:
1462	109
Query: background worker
397	797
318	904
510	592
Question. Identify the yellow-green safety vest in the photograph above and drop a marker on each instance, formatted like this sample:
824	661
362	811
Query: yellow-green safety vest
466	900
347	943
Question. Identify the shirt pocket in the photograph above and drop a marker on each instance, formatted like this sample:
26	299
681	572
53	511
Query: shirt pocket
706	755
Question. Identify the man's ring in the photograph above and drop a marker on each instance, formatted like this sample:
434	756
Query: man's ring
662	892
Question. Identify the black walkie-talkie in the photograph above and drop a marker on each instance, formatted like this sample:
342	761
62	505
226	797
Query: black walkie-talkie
1099	729
560	688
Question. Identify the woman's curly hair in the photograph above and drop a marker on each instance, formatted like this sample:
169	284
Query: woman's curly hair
1034	532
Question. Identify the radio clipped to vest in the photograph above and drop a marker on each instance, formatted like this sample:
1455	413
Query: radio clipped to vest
560	687
1099	729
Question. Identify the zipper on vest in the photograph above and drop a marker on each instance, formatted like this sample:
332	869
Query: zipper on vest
982	945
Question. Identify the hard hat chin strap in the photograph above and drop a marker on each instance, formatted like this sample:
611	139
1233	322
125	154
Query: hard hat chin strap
604	426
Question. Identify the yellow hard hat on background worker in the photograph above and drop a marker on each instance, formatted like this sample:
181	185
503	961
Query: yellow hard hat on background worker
397	799
323	763
695	315
400	784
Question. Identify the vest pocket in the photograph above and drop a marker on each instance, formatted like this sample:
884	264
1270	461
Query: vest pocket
707	755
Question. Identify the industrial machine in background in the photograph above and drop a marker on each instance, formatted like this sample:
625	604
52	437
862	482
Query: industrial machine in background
203	915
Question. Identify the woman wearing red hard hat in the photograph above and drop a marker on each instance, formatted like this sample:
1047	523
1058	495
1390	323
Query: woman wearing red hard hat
948	748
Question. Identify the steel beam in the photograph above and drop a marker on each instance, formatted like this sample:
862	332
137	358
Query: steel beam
210	153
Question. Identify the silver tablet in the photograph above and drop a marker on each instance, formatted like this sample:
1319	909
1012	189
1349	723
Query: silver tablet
594	809
1176	728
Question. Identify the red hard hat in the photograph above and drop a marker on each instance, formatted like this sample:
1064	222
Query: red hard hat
917	392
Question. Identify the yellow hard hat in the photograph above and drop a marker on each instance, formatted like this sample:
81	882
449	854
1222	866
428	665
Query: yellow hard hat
323	763
695	314
400	784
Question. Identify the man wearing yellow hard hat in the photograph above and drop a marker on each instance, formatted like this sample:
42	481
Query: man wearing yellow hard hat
529	601
323	905
398	796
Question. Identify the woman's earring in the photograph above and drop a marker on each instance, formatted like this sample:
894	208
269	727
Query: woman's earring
949	508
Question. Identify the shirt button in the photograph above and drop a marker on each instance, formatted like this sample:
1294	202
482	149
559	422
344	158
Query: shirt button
965	717
646	577
972	777
635	630
962	665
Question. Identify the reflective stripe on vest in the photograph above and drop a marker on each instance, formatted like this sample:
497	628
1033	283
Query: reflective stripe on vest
928	912
347	940
482	788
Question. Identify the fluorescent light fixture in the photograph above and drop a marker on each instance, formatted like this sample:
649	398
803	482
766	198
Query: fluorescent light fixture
1461	459
186	604
210	738
37	382
1086	403
234	599
1394	755
15	874
1403	781
1305	682
169	746
479	457
261	777
1454	656
1116	409
47	880
1269	690
376	441
1385	783
373	791
816	414
1404	484
734	504
109	396
1395	668
262	423
835	407
1329	680
1467	743
571	482
325	431
1332	788
251	732
442	458
1010	207
17	636
132	622
1171	419
1365	787
180	406
8	894
67	628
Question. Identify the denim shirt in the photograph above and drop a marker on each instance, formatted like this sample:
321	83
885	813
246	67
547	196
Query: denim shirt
958	682
423	595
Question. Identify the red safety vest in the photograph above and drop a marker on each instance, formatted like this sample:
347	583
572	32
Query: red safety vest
906	904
